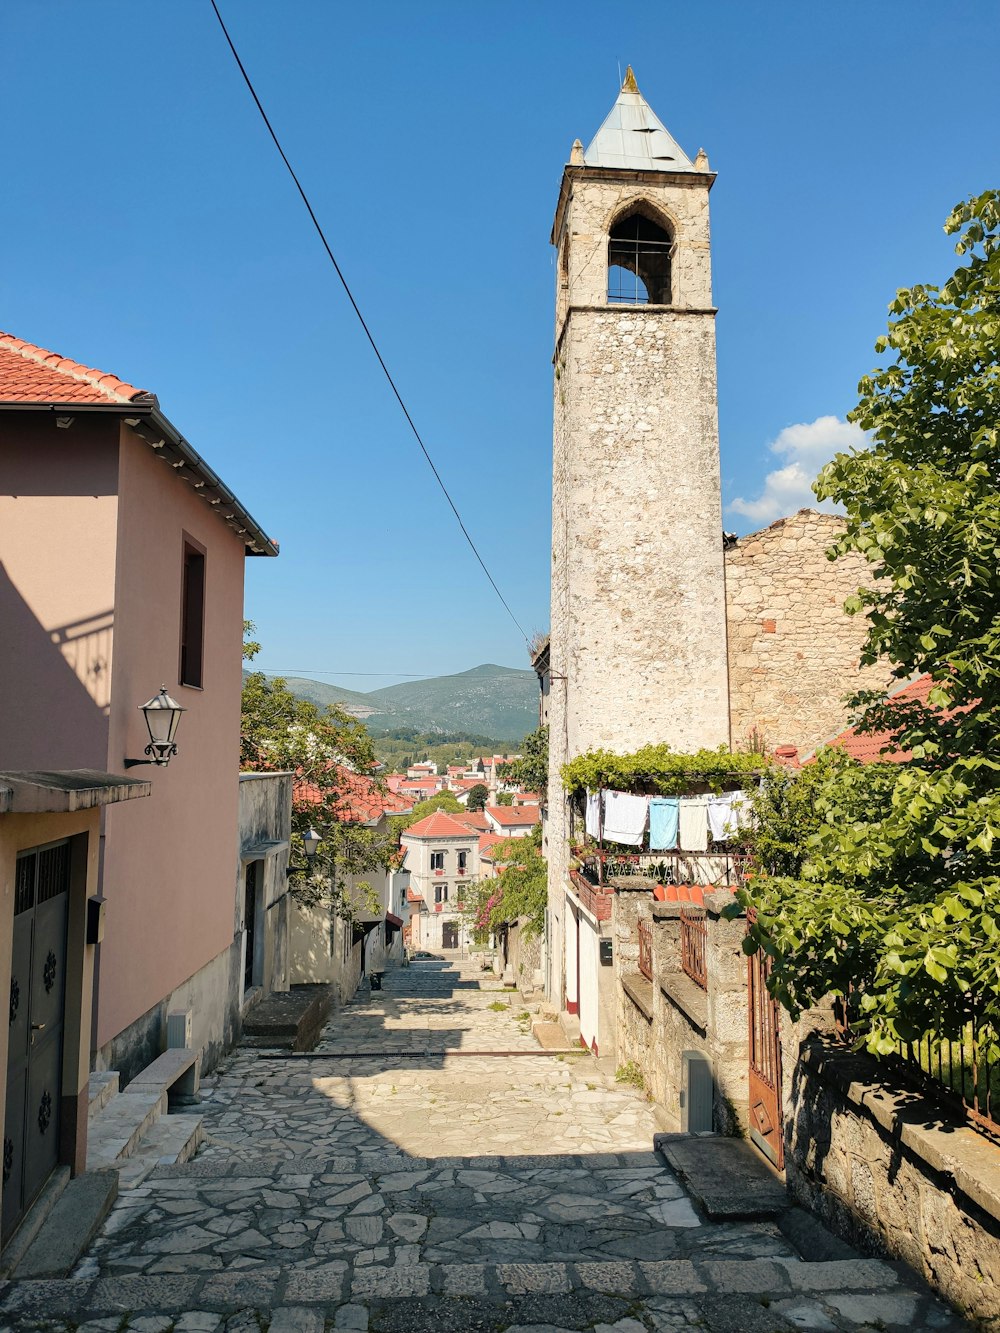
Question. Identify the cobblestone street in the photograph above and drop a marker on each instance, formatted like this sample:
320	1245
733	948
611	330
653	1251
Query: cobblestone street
428	1167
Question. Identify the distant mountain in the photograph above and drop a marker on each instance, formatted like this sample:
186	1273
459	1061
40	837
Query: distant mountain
489	700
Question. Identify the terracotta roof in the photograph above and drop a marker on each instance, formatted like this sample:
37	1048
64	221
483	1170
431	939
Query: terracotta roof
30	374
357	799
515	815
413	897
867	749
421	783
465	784
489	840
474	819
688	893
32	377
439	825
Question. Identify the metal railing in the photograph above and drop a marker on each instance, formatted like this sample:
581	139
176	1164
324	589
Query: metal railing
962	1072
726	868
645	949
694	938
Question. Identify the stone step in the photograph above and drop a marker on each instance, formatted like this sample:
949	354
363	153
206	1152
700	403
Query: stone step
103	1085
70	1226
291	1019
725	1176
171	1141
771	1284
117	1130
379	1163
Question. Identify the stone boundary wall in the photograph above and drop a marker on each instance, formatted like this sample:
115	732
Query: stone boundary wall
659	1020
882	1167
793	652
520	956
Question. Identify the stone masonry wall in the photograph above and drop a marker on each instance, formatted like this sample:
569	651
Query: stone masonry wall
793	652
891	1174
675	1014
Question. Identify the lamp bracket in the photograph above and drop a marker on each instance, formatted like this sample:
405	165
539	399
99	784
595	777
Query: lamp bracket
160	756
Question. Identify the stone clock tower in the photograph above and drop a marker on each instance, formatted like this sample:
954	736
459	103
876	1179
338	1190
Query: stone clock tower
638	636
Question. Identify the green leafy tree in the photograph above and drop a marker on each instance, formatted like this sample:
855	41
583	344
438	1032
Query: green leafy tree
897	890
324	749
478	796
531	770
521	888
505	798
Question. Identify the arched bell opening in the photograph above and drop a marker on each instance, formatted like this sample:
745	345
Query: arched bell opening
639	254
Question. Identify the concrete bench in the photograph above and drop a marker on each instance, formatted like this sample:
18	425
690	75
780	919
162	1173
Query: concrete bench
177	1072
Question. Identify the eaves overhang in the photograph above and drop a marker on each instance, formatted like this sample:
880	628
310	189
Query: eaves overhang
149	423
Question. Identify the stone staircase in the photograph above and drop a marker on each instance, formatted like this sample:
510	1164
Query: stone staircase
133	1131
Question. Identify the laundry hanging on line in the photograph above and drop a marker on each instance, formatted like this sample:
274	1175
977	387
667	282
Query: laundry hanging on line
664	816
592	818
727	814
693	823
625	818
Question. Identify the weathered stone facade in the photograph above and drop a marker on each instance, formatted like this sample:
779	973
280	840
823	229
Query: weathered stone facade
664	1021
793	652
638	646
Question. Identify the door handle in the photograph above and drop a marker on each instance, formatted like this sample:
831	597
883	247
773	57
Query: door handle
37	1027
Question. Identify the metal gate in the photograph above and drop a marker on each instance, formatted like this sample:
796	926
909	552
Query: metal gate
765	1061
449	935
34	1054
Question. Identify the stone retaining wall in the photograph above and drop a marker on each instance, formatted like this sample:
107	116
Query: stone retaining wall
884	1169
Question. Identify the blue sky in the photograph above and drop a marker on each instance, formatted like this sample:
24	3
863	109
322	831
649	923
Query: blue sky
150	230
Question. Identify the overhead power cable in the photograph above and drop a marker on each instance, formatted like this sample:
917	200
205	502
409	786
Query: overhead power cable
364	325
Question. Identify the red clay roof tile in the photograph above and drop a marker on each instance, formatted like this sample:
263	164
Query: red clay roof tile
439	825
511	815
30	374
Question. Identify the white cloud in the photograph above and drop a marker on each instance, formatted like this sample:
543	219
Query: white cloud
807	446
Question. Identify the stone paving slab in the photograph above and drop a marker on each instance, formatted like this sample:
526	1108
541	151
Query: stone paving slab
446	1193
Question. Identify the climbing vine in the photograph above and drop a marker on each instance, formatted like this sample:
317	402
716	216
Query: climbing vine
656	769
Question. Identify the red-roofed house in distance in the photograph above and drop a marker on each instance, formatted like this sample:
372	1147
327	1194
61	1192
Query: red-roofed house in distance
512	821
121	569
423	788
442	857
327	947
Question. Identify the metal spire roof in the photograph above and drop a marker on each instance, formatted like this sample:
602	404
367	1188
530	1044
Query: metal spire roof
633	138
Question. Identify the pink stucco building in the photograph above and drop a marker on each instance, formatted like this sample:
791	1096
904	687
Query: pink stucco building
121	570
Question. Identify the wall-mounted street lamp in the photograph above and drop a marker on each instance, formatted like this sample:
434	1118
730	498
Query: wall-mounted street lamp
162	715
310	845
310	842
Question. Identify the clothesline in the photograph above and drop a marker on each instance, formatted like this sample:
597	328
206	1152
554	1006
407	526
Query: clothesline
685	822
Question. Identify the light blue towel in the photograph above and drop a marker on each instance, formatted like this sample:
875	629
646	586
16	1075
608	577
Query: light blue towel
663	818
